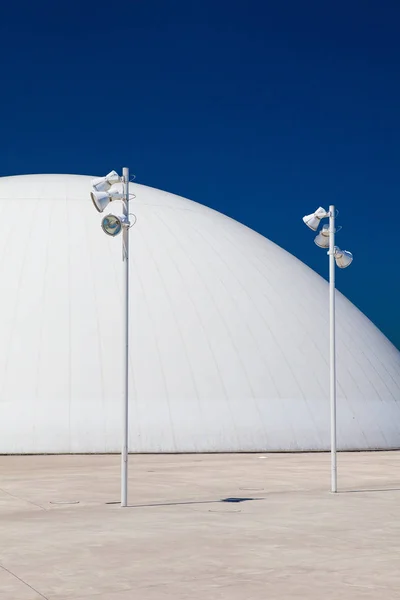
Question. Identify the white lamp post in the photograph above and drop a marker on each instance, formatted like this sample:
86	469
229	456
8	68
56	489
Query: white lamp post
103	193
342	258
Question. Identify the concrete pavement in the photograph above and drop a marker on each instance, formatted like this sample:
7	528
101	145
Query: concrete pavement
63	538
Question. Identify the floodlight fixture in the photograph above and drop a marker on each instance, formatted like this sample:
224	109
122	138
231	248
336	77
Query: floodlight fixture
322	239
343	258
312	221
103	184
102	199
113	224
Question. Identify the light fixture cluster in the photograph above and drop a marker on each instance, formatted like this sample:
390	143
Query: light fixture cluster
106	190
343	258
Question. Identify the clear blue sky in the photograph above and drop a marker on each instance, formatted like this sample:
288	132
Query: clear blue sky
262	110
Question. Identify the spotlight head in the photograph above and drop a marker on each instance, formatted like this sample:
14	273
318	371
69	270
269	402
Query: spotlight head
103	184
322	239
100	200
112	224
312	221
343	258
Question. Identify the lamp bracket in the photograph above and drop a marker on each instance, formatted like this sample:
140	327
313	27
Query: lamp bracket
334	253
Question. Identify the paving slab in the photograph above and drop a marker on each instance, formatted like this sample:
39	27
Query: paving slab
63	535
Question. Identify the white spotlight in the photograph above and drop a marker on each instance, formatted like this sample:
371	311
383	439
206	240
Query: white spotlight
113	224
312	221
322	239
343	258
102	199
103	184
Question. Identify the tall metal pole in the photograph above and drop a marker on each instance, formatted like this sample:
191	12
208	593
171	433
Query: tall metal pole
332	344
125	412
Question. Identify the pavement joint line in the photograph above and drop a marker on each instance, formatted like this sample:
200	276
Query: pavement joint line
22	499
24	582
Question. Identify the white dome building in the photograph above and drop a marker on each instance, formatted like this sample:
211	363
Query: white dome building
229	334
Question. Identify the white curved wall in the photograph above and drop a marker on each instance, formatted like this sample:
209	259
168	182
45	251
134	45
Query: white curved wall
228	334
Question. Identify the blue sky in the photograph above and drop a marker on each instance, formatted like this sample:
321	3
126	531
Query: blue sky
262	110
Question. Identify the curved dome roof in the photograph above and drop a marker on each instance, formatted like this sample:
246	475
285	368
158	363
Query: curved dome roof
229	334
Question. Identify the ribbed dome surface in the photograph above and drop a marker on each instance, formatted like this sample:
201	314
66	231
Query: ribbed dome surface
229	334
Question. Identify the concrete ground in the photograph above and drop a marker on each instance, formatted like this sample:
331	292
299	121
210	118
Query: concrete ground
63	538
